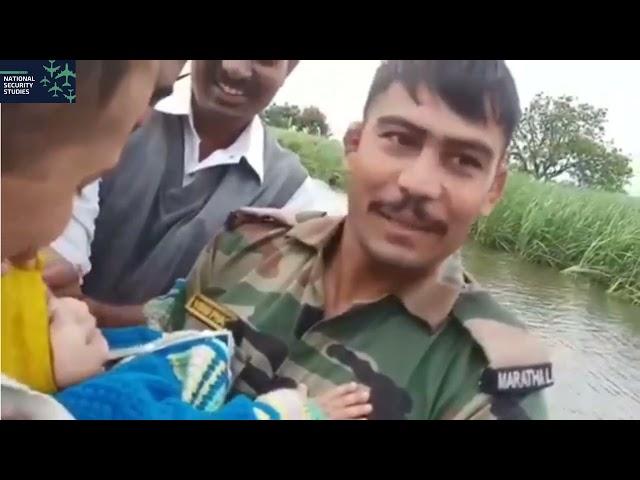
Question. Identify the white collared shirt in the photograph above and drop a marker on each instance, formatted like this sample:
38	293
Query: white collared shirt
75	242
249	145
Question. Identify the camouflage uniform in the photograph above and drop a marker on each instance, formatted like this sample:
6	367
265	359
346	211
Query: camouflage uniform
442	349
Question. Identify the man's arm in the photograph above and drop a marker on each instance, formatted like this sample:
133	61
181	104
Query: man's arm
162	312
109	316
67	260
60	275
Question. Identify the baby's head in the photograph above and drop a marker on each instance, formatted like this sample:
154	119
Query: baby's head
78	348
47	344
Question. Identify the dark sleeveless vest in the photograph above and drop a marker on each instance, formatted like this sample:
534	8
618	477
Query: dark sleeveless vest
151	229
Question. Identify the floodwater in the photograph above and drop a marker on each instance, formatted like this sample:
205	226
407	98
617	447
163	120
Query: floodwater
594	338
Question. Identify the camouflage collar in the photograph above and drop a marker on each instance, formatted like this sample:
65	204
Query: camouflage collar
431	299
316	232
503	338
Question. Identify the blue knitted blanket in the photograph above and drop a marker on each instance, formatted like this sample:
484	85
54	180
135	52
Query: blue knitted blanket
163	376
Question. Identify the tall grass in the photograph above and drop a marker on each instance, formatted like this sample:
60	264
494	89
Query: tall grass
579	231
582	232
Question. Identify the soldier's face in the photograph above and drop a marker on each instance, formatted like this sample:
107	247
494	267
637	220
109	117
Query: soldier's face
420	175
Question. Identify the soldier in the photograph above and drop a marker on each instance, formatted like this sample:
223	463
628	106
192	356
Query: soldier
380	296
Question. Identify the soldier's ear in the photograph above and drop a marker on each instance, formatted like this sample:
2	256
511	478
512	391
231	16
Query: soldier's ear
351	139
497	187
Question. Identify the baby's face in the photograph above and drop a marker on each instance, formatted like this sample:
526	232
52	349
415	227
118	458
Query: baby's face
79	349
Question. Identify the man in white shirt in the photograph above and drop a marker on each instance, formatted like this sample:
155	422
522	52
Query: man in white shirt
222	128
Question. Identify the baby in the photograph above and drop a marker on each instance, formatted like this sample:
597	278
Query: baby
53	346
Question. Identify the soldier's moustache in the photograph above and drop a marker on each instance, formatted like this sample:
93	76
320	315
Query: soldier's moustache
410	211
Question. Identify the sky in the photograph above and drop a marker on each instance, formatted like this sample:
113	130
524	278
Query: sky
339	88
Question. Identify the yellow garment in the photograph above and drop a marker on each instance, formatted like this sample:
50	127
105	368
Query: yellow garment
26	350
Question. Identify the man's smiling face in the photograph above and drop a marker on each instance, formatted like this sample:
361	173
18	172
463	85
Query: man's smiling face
237	88
420	177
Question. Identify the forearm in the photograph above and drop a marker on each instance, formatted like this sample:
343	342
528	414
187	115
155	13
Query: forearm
116	315
62	278
74	245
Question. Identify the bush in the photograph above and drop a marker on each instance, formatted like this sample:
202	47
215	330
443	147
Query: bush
322	157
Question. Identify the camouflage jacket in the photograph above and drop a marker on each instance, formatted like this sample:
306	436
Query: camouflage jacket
442	350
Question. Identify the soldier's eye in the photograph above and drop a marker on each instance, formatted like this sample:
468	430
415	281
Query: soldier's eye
401	139
467	161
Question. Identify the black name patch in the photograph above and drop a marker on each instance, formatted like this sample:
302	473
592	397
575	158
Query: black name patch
516	379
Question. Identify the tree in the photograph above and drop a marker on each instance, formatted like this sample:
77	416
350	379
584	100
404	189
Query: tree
313	121
601	166
559	136
282	116
310	120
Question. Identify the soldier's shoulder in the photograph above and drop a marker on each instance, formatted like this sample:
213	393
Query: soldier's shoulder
476	302
268	219
250	226
518	361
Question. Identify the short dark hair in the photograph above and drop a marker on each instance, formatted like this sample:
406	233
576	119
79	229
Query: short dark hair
475	89
24	125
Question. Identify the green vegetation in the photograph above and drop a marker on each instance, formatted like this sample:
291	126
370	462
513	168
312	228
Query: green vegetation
292	117
579	231
560	137
322	157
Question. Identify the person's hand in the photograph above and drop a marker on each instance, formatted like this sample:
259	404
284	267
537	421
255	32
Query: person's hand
79	349
62	277
345	402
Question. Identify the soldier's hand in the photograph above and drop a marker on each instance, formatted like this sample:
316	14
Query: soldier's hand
346	402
